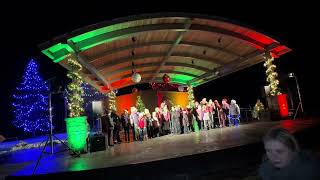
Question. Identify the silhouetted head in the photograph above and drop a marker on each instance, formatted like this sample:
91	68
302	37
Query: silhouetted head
281	147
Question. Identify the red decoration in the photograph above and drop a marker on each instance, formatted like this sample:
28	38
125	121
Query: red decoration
283	105
164	86
104	88
134	90
166	78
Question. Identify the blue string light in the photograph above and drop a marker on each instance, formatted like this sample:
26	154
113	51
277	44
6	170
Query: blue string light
31	102
90	94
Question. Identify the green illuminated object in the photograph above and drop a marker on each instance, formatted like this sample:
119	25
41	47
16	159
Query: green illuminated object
77	132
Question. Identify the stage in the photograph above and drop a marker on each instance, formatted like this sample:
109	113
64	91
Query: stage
204	154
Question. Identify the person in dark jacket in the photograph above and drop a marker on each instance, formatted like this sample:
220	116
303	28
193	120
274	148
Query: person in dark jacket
125	119
110	127
117	127
284	160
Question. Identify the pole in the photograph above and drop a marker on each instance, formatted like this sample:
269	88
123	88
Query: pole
298	88
50	116
51	135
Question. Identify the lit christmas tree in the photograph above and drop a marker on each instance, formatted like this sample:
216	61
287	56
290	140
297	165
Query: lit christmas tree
257	110
30	104
139	104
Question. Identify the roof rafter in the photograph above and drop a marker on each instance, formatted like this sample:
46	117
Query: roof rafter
84	62
187	25
226	69
155	43
157	55
181	27
127	68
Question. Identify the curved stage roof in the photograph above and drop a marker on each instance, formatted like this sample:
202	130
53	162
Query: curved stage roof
190	48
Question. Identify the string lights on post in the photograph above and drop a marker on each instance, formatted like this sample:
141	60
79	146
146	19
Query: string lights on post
112	101
75	91
77	125
271	74
190	96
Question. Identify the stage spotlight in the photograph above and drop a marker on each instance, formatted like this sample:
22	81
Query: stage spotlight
291	75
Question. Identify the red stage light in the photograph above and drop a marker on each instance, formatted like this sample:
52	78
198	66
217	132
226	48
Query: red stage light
283	105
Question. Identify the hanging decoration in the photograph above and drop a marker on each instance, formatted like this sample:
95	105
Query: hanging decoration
134	90
75	91
166	78
271	74
164	86
136	77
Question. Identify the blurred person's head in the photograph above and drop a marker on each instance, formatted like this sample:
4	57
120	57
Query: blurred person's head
224	101
281	147
233	102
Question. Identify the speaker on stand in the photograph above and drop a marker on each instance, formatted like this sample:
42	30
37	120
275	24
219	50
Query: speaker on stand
97	141
97	109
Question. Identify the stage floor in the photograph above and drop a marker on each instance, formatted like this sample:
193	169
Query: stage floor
165	147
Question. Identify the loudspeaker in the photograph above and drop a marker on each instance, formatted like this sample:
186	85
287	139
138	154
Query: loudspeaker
97	143
265	91
97	107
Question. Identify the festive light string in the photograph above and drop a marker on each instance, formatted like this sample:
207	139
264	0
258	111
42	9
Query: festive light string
164	86
271	74
190	96
31	102
112	100
259	107
90	94
75	101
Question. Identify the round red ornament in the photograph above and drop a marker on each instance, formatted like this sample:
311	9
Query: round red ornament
134	90
166	78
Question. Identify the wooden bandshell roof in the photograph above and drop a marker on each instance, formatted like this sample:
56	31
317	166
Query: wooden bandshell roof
190	48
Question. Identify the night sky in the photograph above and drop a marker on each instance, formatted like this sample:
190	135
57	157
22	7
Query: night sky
24	26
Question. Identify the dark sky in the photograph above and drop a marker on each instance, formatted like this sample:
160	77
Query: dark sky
25	25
